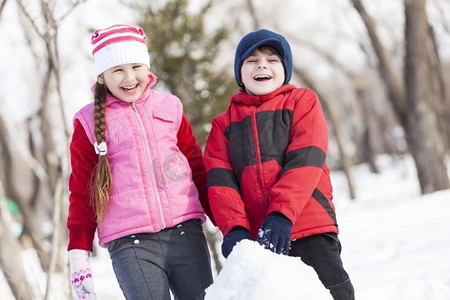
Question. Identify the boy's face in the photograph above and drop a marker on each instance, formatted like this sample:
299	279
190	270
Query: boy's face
262	73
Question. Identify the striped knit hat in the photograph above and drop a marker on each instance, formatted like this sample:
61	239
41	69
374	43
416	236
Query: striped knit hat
118	45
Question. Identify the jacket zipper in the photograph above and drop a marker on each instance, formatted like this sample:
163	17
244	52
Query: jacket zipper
259	170
148	155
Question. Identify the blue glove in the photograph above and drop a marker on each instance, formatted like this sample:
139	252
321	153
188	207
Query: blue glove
234	236
275	233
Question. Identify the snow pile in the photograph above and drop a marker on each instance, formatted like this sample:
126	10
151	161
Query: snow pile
254	273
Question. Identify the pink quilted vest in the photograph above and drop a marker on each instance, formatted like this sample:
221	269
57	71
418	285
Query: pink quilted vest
152	180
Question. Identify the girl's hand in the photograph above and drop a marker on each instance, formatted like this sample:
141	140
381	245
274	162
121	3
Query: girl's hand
80	274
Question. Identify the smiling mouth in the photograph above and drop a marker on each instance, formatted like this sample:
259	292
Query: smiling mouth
262	77
130	88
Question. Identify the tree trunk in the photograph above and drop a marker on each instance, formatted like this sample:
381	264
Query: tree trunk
371	138
394	89
442	100
425	142
213	240
10	262
56	247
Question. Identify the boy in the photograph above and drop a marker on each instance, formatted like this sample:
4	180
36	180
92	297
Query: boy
265	159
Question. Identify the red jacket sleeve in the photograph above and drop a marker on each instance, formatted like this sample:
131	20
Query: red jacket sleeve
191	149
81	220
224	192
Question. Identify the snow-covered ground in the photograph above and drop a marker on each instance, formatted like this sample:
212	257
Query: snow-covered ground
395	247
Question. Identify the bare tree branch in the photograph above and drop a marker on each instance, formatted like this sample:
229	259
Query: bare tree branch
69	10
57	199
32	21
2	5
252	11
394	89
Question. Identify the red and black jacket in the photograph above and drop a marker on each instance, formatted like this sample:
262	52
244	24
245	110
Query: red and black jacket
267	153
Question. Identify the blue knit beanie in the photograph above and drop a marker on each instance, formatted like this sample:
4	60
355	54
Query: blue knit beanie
261	37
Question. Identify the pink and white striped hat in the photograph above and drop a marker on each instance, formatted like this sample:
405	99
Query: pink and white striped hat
118	45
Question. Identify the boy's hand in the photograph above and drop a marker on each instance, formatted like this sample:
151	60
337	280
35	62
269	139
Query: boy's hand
234	236
275	233
80	274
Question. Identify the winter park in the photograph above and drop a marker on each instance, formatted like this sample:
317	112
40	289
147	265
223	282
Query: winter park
380	70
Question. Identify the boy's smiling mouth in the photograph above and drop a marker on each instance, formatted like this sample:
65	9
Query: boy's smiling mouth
262	77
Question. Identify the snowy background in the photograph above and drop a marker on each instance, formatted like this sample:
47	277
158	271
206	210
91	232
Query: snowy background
395	242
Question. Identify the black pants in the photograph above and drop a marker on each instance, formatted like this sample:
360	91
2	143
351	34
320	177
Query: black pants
323	253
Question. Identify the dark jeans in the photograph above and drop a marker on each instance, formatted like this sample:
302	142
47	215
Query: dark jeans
148	265
323	253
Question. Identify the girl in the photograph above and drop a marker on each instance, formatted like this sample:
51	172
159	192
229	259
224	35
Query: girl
137	176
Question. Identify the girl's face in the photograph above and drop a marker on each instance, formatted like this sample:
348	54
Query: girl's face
262	73
126	82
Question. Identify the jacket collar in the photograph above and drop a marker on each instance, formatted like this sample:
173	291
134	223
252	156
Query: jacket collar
249	100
